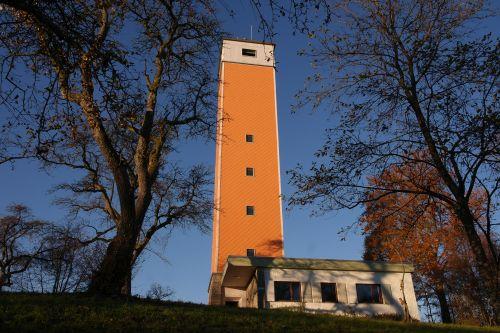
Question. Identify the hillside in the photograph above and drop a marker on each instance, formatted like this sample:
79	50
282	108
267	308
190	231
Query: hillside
79	313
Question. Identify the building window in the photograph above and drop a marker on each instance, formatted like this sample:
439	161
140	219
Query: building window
250	172
249	138
329	293
233	304
250	210
287	291
248	52
369	293
250	252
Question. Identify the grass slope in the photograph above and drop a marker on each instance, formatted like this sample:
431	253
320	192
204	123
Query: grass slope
79	313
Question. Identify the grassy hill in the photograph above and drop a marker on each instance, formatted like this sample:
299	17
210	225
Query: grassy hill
79	313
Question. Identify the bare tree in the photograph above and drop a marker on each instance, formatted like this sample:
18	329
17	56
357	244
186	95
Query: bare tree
108	88
67	265
65	268
157	292
21	242
403	76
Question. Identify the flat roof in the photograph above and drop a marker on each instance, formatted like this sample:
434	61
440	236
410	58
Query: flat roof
319	264
248	41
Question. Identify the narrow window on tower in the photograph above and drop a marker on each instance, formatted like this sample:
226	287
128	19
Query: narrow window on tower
249	138
248	52
250	210
250	172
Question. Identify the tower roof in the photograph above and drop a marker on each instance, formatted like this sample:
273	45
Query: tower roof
253	41
248	52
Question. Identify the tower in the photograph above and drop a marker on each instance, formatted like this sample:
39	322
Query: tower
247	218
248	264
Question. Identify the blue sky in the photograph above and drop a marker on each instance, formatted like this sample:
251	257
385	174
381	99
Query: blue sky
187	252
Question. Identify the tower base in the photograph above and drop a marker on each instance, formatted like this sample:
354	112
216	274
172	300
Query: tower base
215	290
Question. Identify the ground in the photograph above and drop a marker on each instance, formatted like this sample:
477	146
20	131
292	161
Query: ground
80	313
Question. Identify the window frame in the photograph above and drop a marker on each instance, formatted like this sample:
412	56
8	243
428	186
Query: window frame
252	208
372	285
330	284
292	294
252	171
248	52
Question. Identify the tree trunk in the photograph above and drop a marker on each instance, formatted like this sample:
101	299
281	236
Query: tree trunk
4	280
115	267
488	270
443	305
127	286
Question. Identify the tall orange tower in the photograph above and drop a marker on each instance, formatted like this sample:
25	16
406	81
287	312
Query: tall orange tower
247	218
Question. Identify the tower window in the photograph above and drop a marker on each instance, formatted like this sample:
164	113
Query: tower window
249	138
250	210
250	172
250	252
248	52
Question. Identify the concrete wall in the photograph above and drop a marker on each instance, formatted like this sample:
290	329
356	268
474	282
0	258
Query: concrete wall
251	294
346	288
237	295
232	52
215	290
245	298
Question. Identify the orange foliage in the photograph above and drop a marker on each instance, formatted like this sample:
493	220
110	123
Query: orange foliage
419	229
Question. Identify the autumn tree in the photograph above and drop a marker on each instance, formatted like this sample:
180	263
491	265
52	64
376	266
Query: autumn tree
109	89
424	231
401	76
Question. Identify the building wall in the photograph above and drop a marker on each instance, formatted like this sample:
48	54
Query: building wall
231	52
215	290
346	288
247	105
237	295
251	294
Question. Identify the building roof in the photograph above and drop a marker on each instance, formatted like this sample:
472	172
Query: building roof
319	264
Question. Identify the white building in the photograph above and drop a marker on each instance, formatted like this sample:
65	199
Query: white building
319	285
